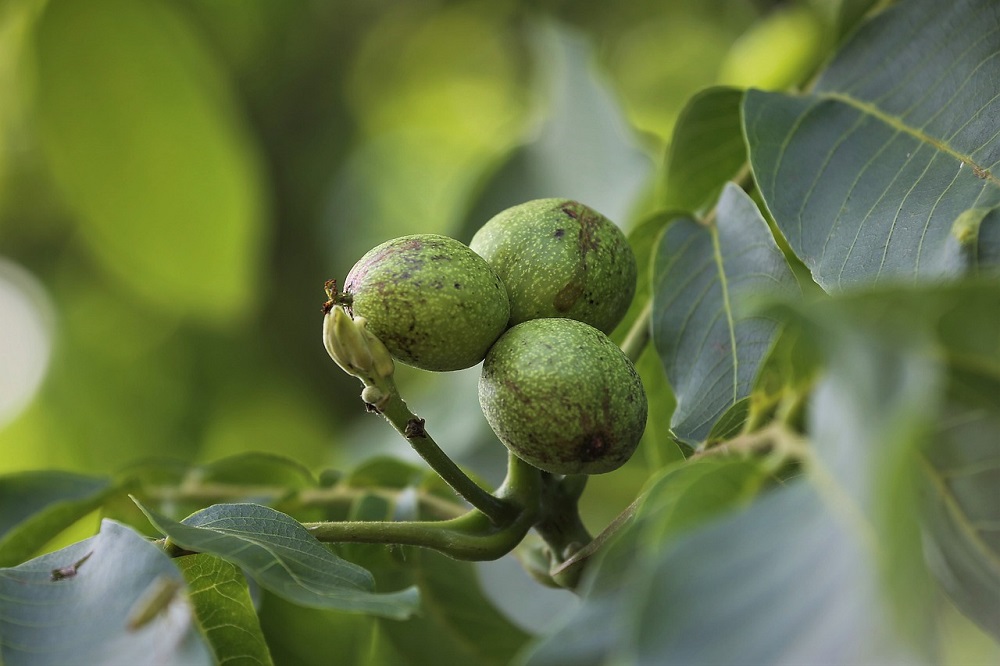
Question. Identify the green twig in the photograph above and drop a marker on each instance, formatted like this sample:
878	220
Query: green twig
472	536
407	424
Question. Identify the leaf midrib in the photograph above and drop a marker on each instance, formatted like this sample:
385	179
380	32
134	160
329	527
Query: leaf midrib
980	171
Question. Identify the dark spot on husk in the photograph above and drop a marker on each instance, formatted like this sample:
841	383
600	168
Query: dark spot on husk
593	447
559	233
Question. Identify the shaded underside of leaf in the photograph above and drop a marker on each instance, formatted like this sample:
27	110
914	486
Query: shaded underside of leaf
867	175
284	558
706	280
84	618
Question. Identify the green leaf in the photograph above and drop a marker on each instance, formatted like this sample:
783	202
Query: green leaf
284	558
677	500
36	506
85	617
850	12
962	512
867	175
782	583
459	624
707	149
144	139
706	278
223	610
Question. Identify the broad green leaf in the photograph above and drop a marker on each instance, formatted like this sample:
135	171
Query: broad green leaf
962	511
706	279
144	139
959	498
255	467
458	625
706	150
677	500
35	506
867	175
223	610
284	558
850	12
781	583
315	637
106	609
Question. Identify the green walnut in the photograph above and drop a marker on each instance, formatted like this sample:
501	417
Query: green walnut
560	258
562	397
432	301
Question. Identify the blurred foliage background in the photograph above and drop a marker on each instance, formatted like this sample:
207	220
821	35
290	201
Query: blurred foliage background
178	179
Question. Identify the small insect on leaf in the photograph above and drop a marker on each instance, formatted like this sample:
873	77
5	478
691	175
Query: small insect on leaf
63	573
153	601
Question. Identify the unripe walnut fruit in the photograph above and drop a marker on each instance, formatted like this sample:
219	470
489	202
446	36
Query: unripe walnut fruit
560	258
432	301
562	397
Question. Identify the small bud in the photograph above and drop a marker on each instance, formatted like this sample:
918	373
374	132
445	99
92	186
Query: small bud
353	343
344	343
383	365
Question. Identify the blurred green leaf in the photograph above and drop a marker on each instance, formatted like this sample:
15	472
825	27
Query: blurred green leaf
680	498
706	278
778	51
223	610
867	175
386	472
84	617
35	506
962	510
466	627
315	637
850	12
144	138
254	467
706	150
284	558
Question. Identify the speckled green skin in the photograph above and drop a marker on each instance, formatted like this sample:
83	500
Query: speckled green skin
562	397
435	303
560	258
